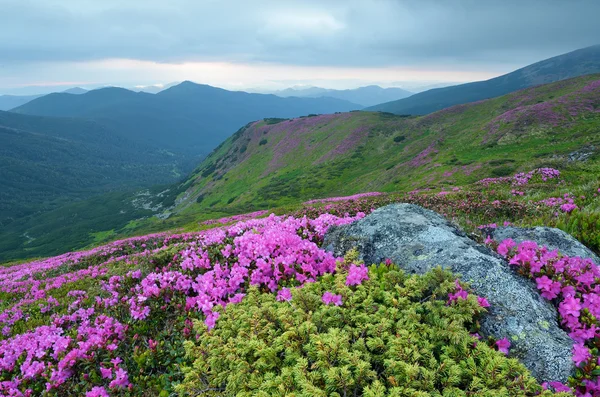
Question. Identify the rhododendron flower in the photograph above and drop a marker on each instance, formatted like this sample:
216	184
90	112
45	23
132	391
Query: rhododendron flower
357	274
284	294
121	379
459	294
483	302
557	386
329	298
503	345
570	307
505	246
97	391
106	372
580	354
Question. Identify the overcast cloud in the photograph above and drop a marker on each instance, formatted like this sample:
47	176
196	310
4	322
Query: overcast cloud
249	43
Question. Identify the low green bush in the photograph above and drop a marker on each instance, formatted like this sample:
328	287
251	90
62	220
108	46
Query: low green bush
394	335
584	226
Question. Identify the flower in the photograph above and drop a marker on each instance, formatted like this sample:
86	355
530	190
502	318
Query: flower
284	294
483	302
329	298
580	354
106	372
503	345
357	274
97	391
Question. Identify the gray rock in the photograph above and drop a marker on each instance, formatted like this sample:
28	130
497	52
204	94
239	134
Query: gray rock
554	239
420	240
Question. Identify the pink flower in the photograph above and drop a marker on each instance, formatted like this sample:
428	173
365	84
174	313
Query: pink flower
97	391
106	372
483	302
329	298
459	294
570	307
505	246
121	380
503	345
357	274
580	354
284	294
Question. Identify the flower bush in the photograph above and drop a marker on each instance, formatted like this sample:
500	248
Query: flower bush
392	335
573	285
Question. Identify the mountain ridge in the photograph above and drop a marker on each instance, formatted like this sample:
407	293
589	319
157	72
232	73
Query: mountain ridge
572	64
189	117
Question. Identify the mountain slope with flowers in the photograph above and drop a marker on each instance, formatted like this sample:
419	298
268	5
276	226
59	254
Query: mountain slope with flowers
277	162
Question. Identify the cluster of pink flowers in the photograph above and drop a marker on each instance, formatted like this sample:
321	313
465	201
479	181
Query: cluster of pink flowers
211	268
357	274
522	178
332	299
572	284
565	203
344	198
52	352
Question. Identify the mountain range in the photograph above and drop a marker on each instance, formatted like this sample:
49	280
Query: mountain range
8	102
365	96
573	64
82	158
189	118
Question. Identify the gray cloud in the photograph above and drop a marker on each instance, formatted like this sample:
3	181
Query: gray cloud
368	33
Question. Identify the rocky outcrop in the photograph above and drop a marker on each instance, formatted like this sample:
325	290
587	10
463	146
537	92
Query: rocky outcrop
419	240
554	239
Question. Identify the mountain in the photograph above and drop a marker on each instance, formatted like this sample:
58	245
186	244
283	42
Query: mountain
190	118
365	96
573	64
278	162
8	102
274	162
75	91
47	162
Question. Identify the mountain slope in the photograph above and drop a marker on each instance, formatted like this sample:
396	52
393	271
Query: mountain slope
8	102
365	96
46	162
189	117
266	164
573	64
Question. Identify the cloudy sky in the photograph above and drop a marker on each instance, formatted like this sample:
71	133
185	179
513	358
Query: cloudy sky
270	44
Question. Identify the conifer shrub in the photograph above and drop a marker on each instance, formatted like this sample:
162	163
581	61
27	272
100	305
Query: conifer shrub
392	335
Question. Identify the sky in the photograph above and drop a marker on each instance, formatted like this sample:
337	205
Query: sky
262	45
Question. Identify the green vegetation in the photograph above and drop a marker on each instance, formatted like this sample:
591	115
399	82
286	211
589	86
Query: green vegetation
348	153
394	335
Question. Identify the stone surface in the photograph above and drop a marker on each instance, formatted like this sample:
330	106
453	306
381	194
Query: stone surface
554	239
419	240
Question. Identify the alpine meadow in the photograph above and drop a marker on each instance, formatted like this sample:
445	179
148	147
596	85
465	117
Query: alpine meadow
381	198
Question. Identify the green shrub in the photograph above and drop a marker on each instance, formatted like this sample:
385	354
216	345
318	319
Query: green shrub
584	226
399	138
395	335
262	142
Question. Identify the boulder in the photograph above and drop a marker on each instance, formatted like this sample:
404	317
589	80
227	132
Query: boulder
554	239
419	240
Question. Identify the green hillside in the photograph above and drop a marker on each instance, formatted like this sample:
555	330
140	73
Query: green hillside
277	162
573	64
48	161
